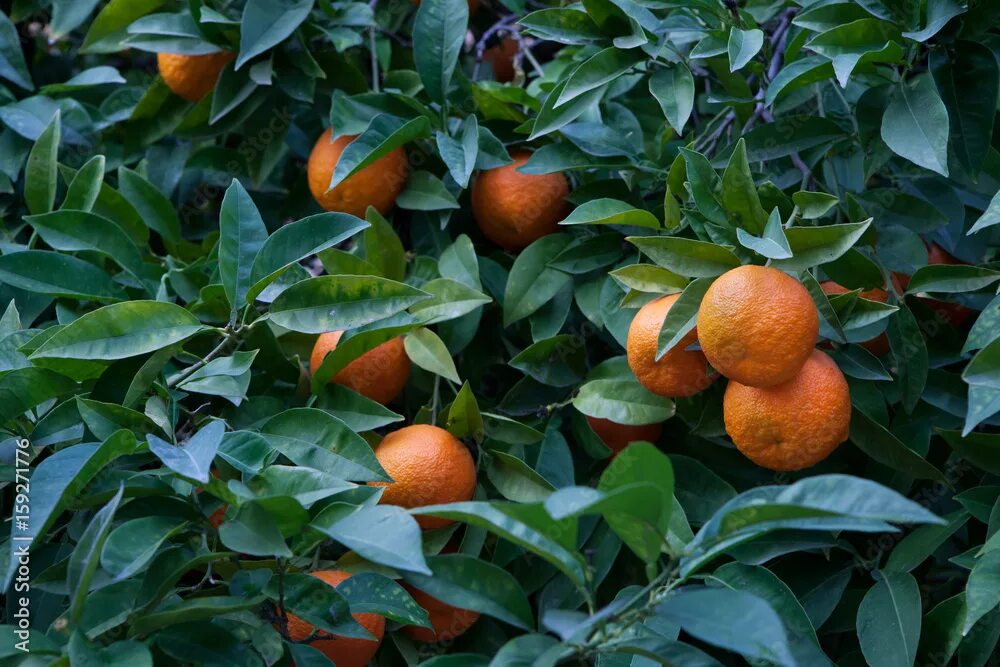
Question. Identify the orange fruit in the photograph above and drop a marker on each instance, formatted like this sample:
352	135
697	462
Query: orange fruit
428	466
757	325
878	345
514	209
192	77
343	651
448	622
376	185
618	436
379	374
681	372
501	57
795	424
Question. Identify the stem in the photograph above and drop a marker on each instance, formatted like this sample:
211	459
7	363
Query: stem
374	58
436	399
219	350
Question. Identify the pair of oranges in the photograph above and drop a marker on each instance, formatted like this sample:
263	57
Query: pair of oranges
447	622
787	404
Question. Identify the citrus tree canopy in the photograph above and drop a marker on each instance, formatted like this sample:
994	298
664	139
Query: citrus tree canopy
499	333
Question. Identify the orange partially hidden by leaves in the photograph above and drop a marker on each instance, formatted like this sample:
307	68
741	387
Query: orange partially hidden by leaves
448	622
192	77
680	372
428	466
343	651
618	436
757	325
515	209
878	345
501	57
376	185
379	374
952	313
793	425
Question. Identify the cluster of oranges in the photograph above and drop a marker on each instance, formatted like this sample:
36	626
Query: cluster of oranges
787	404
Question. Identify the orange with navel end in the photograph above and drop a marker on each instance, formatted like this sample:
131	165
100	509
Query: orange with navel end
501	57
428	466
192	77
343	651
448	622
793	425
514	209
680	372
757	325
378	184
379	374
618	436
878	345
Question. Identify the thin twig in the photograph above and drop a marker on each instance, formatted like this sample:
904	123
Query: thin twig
219	350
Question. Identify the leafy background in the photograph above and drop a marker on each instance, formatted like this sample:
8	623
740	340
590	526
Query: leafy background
166	271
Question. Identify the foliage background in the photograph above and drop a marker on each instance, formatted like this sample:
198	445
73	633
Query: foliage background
833	139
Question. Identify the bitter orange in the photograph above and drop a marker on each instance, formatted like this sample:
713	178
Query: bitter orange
379	374
192	77
448	622
680	372
376	185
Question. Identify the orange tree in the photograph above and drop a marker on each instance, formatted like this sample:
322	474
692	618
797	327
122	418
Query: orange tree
499	333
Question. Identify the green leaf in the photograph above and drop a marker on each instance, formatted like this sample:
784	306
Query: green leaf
194	458
906	340
673	88
733	620
75	231
939	13
315	601
266	23
12	65
704	183
132	544
438	34
812	246
194	609
467	582
889	620
968	81
563	25
384	534
315	439
531	282
502	518
880	444
550	118
515	479
559	361
739	193
798	74
682	317
255	532
463	418
460	154
41	170
85	559
864	40
743	46
333	303
85	187
921	544
610	212
153	207
56	481
687	257
990	217
600	69
427	350
915	125
369	592
384	134
55	274
648	278
120	331
624	401
425	192
982	591
22	389
813	205
773	244
951	278
242	234
641	525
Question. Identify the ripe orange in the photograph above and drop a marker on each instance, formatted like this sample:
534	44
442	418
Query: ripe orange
514	209
377	185
618	436
428	466
757	325
343	651
501	57
793	425
878	345
379	374
448	622
681	372
192	77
